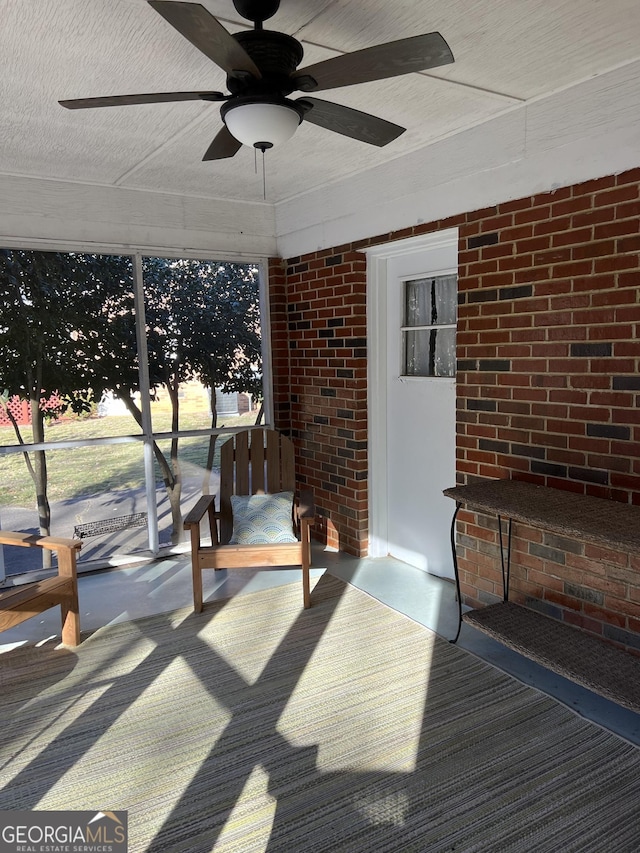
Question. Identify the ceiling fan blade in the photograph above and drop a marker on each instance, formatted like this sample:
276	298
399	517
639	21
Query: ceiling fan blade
224	145
155	98
206	33
350	122
417	53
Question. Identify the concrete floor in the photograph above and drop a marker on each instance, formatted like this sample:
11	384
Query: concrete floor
132	592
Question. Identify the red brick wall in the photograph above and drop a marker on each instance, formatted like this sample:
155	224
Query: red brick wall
548	385
319	344
548	388
279	345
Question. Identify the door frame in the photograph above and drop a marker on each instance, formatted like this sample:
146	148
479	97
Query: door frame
378	258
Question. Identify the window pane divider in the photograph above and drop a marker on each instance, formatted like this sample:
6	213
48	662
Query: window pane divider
145	406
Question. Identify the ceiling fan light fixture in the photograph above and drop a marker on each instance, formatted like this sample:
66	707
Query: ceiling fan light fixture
261	124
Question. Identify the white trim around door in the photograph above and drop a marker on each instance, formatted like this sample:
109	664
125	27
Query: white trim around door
378	261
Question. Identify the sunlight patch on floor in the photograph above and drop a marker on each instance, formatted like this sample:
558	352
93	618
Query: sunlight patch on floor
371	721
141	777
249	645
391	809
251	818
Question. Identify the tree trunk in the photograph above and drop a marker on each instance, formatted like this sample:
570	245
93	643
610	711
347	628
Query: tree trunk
39	475
168	476
211	452
16	428
176	492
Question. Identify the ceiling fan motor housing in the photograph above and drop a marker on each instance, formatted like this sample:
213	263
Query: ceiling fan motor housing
256	10
277	55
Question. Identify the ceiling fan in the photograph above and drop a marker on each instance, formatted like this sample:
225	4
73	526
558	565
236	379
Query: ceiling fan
262	71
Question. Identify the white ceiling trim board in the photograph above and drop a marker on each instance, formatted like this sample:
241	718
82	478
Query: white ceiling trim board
558	141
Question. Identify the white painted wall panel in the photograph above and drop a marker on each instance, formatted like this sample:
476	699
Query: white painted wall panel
76	214
584	132
458	156
601	106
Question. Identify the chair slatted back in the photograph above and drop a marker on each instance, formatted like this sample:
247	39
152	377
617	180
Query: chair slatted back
253	462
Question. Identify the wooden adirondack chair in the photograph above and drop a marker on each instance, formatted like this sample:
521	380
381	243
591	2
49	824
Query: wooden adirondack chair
257	462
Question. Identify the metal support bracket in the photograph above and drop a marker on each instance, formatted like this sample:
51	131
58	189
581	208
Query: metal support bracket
506	568
455	571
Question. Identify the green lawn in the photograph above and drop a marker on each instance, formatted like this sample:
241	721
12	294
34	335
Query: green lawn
95	470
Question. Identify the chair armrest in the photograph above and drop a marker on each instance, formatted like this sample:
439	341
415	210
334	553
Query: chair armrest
206	505
32	540
66	549
305	505
203	505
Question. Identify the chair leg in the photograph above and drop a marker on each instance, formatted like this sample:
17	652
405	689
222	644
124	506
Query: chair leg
306	589
196	572
71	622
306	583
70	605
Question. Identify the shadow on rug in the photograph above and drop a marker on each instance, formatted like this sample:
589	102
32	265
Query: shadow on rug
258	726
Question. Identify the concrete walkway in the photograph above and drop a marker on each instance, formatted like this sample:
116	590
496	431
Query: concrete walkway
107	549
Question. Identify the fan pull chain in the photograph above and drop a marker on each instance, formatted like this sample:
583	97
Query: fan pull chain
263	146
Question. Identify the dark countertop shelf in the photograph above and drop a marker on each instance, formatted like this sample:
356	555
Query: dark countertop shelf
610	524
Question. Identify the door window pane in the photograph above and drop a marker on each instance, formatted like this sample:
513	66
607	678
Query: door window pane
429	329
430	352
431	301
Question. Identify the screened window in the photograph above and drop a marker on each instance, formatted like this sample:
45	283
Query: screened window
120	377
429	326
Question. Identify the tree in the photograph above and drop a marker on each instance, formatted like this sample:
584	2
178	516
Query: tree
203	322
221	339
44	295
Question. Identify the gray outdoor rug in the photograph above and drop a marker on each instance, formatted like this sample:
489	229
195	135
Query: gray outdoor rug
258	726
572	653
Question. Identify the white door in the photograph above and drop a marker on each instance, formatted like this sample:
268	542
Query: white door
412	319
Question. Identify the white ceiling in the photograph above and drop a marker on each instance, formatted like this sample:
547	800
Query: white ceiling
507	52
